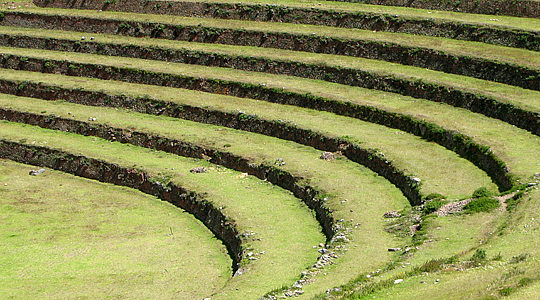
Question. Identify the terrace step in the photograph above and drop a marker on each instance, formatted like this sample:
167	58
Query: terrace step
443	54
354	194
525	8
279	237
462	144
405	151
513	105
365	204
113	116
326	13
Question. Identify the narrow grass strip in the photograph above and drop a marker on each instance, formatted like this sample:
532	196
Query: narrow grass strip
526	8
282	10
352	42
514	106
355	43
351	71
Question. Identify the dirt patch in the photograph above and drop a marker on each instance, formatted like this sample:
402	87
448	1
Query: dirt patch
457	206
452	207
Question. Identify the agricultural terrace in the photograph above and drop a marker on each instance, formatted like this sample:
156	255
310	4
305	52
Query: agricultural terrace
267	150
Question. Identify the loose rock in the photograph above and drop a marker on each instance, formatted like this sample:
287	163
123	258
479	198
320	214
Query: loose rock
392	214
36	172
198	170
323	251
452	207
327	156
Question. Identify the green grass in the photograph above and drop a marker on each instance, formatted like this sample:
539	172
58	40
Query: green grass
512	236
326	175
519	97
355	194
482	204
421	158
504	21
447	239
255	206
65	237
504	93
362	204
451	46
514	146
413	13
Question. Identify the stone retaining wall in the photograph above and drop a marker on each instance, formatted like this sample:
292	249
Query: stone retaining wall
491	34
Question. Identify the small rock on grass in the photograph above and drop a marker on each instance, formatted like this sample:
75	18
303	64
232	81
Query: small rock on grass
327	156
198	170
392	214
36	172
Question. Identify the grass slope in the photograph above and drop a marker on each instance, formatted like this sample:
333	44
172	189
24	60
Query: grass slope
510	271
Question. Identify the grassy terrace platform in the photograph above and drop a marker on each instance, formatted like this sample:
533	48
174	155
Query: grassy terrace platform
352	71
353	42
215	138
407	92
363	205
99	238
479	95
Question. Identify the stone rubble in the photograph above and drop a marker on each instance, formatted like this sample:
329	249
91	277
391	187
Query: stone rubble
392	214
452	208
